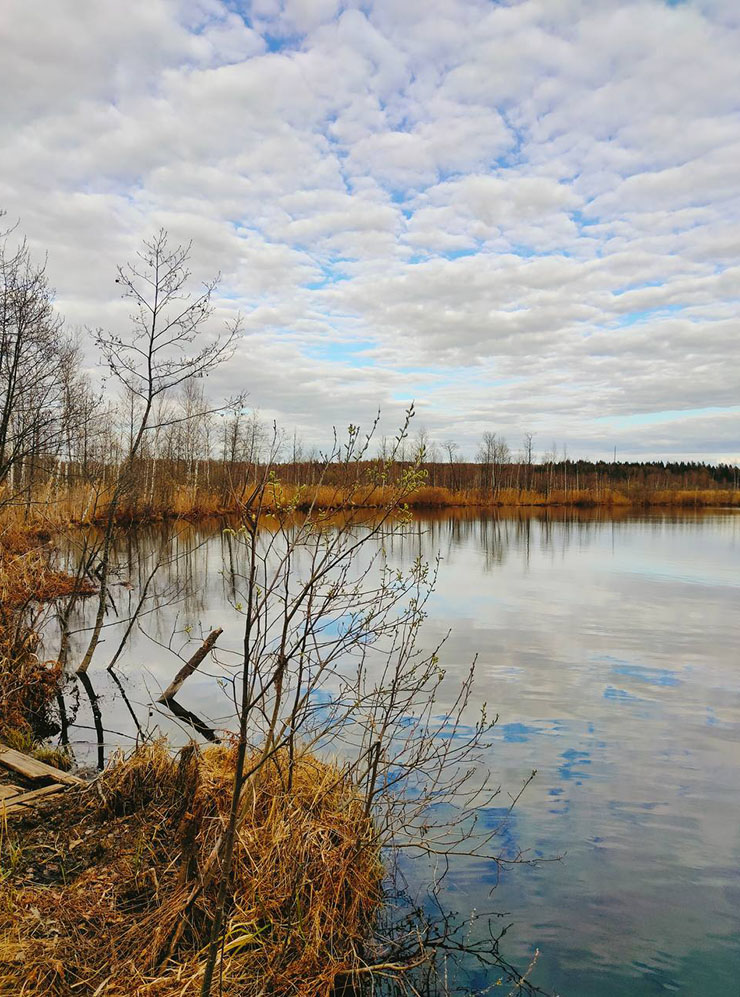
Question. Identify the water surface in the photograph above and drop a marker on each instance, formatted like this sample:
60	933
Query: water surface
609	649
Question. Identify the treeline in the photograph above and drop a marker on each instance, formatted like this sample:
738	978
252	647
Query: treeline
548	476
63	461
161	486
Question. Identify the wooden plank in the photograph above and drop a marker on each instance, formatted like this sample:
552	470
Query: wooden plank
33	769
8	789
24	801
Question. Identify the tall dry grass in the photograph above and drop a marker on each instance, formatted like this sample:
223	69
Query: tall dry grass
304	891
29	581
83	506
698	497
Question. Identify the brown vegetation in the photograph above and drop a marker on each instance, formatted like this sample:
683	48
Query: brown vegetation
175	500
99	907
27	571
28	683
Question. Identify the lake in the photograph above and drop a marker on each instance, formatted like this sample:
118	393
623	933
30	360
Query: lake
609	649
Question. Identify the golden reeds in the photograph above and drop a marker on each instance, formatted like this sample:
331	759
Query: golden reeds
82	506
112	916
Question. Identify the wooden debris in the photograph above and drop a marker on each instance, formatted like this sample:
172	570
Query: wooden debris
33	769
190	718
8	789
168	696
189	667
23	801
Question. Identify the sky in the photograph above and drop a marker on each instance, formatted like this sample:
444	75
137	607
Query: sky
524	216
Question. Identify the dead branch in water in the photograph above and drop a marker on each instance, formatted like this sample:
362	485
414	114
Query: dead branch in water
190	666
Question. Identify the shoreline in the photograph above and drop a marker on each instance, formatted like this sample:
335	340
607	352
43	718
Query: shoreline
49	516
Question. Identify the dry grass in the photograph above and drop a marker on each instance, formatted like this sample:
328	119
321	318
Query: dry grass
27	572
693	497
28	687
81	506
431	497
99	910
28	578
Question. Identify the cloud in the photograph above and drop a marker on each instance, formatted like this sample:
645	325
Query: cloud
523	214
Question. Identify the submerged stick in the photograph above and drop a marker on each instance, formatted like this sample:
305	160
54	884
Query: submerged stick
189	667
96	714
190	718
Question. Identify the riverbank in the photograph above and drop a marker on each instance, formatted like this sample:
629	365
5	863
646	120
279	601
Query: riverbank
115	902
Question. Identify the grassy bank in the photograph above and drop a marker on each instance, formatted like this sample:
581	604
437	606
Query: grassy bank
105	905
99	891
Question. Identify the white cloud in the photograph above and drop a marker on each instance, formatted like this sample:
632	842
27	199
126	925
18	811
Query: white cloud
523	214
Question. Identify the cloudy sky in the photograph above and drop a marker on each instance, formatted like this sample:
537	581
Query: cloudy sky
523	215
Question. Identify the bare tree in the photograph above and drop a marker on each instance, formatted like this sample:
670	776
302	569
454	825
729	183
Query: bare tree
37	362
493	453
549	459
421	446
487	457
331	658
452	450
168	344
528	457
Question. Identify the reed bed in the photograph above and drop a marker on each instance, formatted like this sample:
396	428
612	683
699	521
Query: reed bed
79	506
693	497
105	910
28	690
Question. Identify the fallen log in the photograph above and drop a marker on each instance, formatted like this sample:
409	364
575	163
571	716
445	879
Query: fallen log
190	666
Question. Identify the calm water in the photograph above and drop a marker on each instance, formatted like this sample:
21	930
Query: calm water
609	649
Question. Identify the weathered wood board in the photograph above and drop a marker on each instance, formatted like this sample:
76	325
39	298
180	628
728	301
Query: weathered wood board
24	801
33	769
